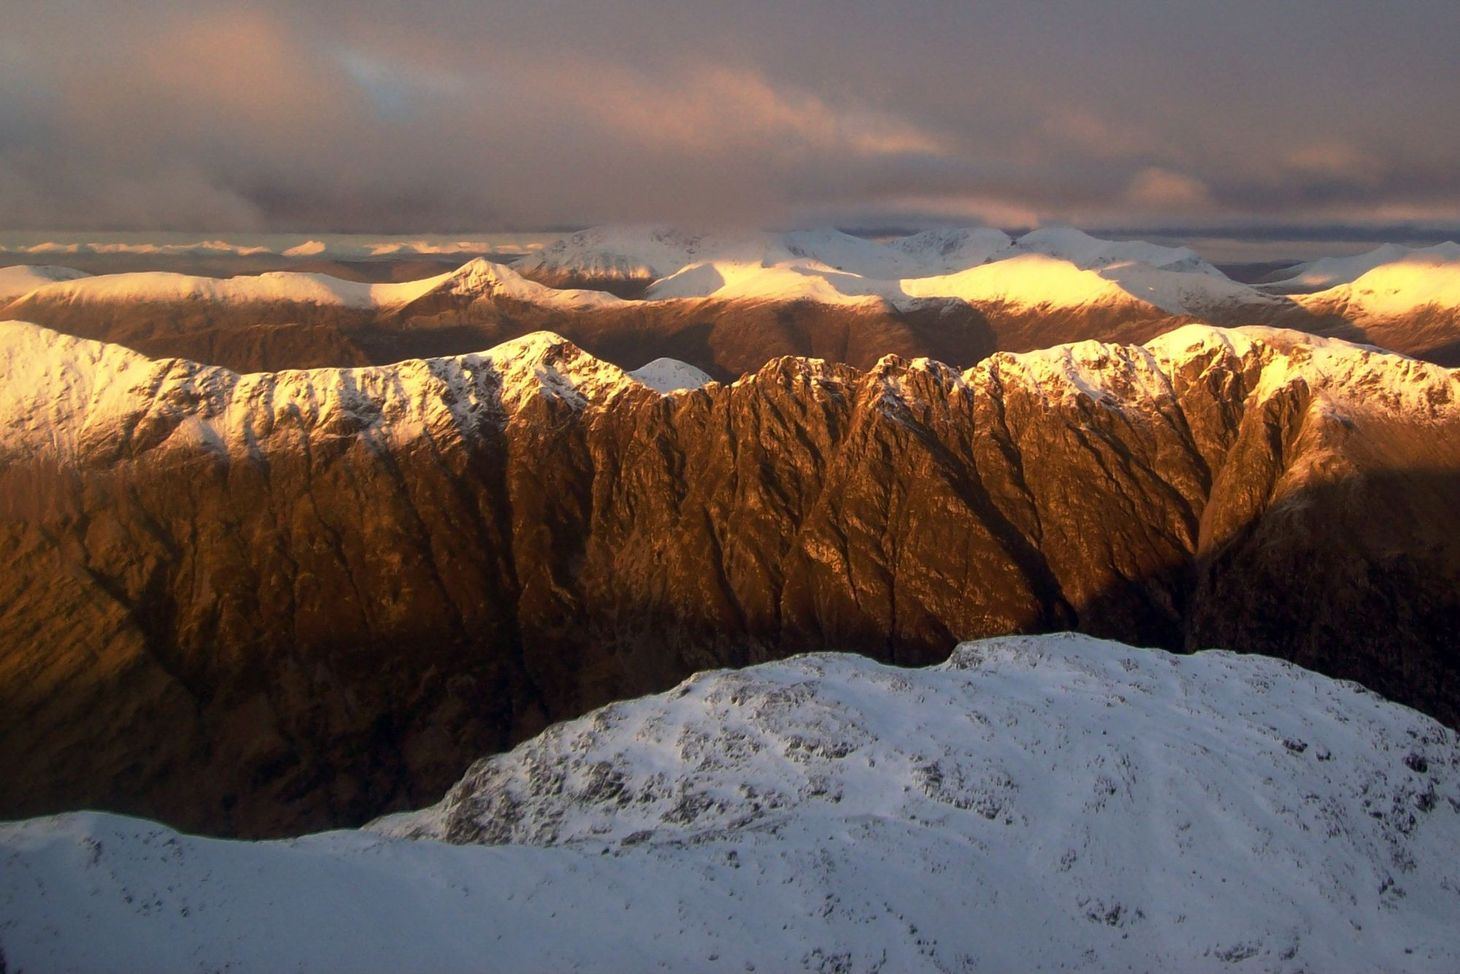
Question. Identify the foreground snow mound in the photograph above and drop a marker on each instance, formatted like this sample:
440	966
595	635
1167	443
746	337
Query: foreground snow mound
1036	803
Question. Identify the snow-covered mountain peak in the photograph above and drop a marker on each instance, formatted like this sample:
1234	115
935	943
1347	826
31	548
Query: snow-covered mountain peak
23	278
1356	379
1028	279
800	279
944	251
546	364
1353	379
839	736
480	277
1142	805
666	375
832	267
1418	279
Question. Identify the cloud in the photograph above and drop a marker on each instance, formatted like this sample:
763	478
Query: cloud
462	115
1334	160
1162	190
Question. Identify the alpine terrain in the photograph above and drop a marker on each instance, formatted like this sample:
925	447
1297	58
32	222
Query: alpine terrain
257	604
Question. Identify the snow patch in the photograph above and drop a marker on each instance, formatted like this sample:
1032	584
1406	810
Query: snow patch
666	375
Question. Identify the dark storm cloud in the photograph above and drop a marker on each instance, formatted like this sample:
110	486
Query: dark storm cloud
453	115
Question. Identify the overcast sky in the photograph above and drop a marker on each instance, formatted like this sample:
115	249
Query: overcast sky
451	115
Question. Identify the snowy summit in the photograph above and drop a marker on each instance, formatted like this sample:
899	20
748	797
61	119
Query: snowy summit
1036	803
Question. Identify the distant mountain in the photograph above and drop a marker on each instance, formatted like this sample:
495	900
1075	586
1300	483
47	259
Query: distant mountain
22	278
333	588
279	292
1327	272
670	375
289	320
1043	803
1411	302
729	303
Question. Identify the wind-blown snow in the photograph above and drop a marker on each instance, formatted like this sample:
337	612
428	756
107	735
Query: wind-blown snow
24	278
666	375
1036	803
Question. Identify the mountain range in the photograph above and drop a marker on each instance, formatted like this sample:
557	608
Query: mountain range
255	604
728	304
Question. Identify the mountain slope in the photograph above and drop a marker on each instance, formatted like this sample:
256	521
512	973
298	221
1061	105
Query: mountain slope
1032	804
333	588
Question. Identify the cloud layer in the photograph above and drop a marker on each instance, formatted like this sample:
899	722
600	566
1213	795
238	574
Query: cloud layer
453	115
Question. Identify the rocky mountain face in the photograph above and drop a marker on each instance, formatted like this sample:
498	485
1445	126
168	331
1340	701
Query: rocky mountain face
333	589
1121	809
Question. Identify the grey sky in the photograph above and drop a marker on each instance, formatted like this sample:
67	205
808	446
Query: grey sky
453	115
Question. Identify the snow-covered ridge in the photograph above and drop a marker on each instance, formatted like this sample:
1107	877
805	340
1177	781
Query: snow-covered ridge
283	287
69	396
1036	803
476	278
1357	379
1056	267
